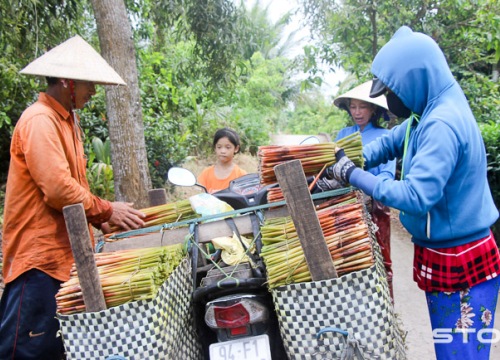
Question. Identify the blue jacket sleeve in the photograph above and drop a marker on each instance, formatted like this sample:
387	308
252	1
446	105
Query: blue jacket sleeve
386	147
385	171
364	181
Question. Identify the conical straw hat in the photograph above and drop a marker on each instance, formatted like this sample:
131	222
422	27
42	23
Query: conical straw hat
361	92
74	59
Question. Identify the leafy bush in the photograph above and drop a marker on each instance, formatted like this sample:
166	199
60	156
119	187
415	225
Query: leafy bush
16	93
482	94
100	170
94	119
174	112
491	136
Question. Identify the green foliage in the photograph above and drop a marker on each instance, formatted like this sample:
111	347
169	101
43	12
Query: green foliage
263	36
312	114
483	96
468	33
215	27
173	111
13	99
102	150
350	33
100	170
29	27
491	136
93	116
257	102
199	70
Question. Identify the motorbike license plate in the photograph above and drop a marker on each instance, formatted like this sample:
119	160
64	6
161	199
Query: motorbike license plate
249	348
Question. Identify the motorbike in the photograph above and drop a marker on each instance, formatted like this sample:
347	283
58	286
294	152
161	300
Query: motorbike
233	308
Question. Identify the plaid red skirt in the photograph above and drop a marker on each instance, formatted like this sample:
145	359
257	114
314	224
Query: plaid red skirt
458	267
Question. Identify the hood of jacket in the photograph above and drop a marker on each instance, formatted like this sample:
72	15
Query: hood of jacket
417	80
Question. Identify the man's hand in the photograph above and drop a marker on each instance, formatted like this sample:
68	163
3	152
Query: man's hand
342	169
125	216
105	228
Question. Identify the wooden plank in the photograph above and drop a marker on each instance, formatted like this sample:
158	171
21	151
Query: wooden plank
79	236
207	231
157	197
293	183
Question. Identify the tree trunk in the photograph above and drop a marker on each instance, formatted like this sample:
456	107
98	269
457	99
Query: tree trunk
126	127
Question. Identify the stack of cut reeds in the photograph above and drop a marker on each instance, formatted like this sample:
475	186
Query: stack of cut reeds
163	214
126	275
346	232
314	158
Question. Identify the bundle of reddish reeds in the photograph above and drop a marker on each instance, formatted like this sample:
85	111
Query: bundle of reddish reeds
126	275
346	233
314	158
164	214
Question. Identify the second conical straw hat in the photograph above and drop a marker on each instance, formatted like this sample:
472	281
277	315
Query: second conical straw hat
361	92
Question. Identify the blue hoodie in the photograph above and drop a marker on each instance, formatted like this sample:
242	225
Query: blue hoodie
444	198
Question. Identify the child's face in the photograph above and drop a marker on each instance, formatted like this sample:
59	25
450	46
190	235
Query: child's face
225	150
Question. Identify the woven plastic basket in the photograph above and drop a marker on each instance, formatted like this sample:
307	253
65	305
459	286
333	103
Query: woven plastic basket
161	328
358	303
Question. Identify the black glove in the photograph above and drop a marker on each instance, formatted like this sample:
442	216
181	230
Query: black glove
342	169
325	184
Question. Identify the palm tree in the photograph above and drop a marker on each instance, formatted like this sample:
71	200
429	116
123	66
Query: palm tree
271	39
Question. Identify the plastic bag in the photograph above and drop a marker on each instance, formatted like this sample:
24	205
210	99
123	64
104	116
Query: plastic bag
232	249
206	204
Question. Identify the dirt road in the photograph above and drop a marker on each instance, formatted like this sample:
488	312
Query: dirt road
410	300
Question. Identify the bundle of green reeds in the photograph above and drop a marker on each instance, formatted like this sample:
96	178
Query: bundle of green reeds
346	233
126	275
314	158
164	214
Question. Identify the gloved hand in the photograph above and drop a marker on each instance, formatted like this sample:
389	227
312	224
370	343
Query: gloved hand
342	169
325	184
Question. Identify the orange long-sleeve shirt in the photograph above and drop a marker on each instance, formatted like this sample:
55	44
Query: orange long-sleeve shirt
47	172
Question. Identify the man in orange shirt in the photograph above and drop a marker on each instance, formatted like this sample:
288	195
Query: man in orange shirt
47	172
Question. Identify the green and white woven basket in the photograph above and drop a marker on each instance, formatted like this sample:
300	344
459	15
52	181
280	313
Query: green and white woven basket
358	302
161	328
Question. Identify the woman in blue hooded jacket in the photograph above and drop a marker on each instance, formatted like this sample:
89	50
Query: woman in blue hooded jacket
443	196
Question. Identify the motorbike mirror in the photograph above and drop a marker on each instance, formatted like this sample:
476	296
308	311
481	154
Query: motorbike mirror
310	140
181	177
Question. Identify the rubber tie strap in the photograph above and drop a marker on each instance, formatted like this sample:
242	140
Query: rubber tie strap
290	278
219	283
129	281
